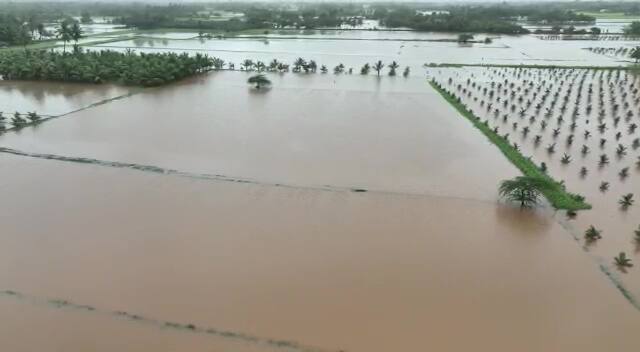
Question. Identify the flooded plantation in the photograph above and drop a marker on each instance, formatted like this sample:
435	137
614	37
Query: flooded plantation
326	211
581	126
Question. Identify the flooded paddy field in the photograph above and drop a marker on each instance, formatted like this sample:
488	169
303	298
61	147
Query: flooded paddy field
355	48
328	270
308	130
583	125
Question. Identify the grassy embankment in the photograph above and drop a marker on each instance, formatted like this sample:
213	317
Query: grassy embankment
558	196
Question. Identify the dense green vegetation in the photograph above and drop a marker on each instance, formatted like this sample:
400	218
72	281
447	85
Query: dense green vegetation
103	66
554	192
525	190
633	28
13	31
236	16
464	20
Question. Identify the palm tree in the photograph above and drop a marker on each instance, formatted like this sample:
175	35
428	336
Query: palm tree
273	65
365	69
259	80
313	66
635	54
247	64
592	234
33	116
298	64
465	38
622	261
392	68
218	63
637	232
75	32
64	33
626	200
41	30
406	72
378	66
524	189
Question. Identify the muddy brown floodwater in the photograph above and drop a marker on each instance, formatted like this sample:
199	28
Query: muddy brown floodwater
426	260
51	98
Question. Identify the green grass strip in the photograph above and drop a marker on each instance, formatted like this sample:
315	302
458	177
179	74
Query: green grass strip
557	195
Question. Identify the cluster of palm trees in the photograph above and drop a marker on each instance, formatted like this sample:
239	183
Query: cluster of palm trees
586	118
18	120
633	53
67	33
127	68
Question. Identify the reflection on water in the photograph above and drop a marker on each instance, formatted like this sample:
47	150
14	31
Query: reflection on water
52	98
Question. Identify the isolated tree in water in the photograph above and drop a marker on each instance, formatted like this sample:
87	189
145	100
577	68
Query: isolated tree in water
259	80
378	66
392	68
464	38
525	190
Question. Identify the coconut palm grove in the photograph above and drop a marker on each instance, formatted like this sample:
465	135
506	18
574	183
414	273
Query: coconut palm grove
282	176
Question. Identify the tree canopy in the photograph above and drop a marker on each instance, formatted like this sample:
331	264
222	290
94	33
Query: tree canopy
101	66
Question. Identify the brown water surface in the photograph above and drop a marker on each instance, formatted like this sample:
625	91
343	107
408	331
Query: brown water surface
357	272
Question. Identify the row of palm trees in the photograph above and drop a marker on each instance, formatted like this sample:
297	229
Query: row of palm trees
301	65
633	53
18	120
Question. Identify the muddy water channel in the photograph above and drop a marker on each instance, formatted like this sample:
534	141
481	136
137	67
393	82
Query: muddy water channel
103	256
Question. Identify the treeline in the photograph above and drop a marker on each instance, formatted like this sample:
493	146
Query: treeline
13	31
633	28
464	19
254	16
101	66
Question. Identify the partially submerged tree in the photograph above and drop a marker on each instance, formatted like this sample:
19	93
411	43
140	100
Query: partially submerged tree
525	190
378	66
465	38
626	200
622	261
259	80
635	54
592	234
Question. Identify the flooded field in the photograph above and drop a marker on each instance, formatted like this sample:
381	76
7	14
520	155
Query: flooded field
309	130
330	270
326	213
53	99
355	48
